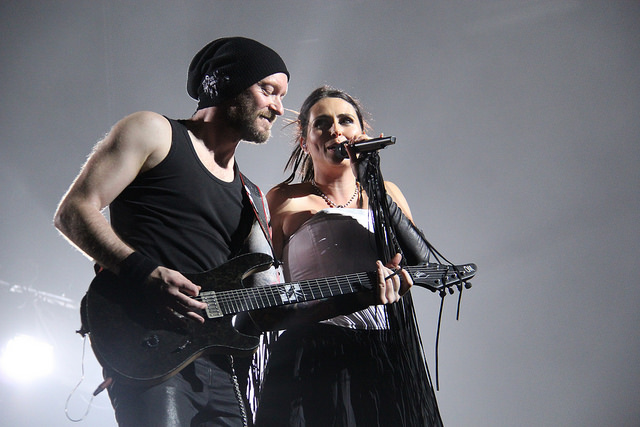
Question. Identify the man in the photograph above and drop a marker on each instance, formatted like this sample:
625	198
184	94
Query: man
178	203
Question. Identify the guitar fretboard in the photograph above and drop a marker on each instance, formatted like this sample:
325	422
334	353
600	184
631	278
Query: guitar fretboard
240	300
431	276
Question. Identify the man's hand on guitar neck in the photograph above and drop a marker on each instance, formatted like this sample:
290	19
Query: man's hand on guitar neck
174	294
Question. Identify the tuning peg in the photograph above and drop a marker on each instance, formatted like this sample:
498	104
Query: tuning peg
467	285
451	291
431	288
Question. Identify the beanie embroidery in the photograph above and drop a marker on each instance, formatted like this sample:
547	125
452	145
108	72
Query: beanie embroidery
211	84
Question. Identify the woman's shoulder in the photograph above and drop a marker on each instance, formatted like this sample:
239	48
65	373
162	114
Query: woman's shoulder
287	191
290	206
396	194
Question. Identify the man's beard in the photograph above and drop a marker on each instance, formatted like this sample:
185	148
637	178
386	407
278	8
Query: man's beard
244	117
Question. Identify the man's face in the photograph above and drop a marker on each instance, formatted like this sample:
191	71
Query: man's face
255	109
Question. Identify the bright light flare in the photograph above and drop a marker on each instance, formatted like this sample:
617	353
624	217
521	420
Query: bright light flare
25	359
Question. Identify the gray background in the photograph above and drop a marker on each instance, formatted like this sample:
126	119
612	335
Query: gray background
517	126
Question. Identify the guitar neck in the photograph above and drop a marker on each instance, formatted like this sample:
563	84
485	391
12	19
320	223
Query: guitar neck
241	300
434	277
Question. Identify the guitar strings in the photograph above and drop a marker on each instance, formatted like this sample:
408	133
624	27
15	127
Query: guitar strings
250	297
236	300
328	287
331	286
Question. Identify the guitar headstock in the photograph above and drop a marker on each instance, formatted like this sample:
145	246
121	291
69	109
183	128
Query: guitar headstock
441	277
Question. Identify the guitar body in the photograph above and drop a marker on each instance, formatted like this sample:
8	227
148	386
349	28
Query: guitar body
137	344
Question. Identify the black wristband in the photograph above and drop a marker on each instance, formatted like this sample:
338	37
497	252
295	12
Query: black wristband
135	269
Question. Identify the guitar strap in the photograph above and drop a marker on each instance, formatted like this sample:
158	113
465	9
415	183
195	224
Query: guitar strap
260	211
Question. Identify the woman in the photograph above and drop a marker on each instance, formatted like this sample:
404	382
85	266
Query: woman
364	367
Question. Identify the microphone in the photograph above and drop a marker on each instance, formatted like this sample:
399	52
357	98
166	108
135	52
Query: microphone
366	146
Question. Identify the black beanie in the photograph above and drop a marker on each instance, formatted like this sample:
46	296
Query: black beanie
225	67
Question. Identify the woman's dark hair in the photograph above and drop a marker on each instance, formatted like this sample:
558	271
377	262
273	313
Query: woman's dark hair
300	162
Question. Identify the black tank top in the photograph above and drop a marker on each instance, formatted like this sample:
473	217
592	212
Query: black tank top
181	215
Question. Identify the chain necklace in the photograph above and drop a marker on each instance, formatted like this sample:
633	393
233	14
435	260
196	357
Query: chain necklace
330	202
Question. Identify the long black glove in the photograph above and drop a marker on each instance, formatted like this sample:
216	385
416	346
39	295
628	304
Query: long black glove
411	239
412	242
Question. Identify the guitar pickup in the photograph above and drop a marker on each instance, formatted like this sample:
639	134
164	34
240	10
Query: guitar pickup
213	308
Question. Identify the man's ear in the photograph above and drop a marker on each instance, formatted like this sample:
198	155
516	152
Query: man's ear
303	144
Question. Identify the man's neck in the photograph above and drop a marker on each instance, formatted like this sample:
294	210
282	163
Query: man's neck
215	141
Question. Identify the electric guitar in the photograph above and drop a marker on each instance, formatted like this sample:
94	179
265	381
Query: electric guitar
138	345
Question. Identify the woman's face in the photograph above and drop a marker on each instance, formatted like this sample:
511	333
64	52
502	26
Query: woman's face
332	121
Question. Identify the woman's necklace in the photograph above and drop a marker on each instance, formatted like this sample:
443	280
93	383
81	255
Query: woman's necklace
330	202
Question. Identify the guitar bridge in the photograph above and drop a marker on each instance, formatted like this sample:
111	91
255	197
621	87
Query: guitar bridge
213	308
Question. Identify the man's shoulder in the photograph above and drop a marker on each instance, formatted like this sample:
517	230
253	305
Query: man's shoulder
146	119
144	126
144	131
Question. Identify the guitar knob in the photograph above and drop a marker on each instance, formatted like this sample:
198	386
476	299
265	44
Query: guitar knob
152	341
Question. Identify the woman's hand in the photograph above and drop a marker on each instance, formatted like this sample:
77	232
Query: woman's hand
359	162
393	281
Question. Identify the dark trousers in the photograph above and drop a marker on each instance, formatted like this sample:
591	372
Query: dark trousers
201	395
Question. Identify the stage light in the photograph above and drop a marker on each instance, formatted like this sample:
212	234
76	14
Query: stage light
26	358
